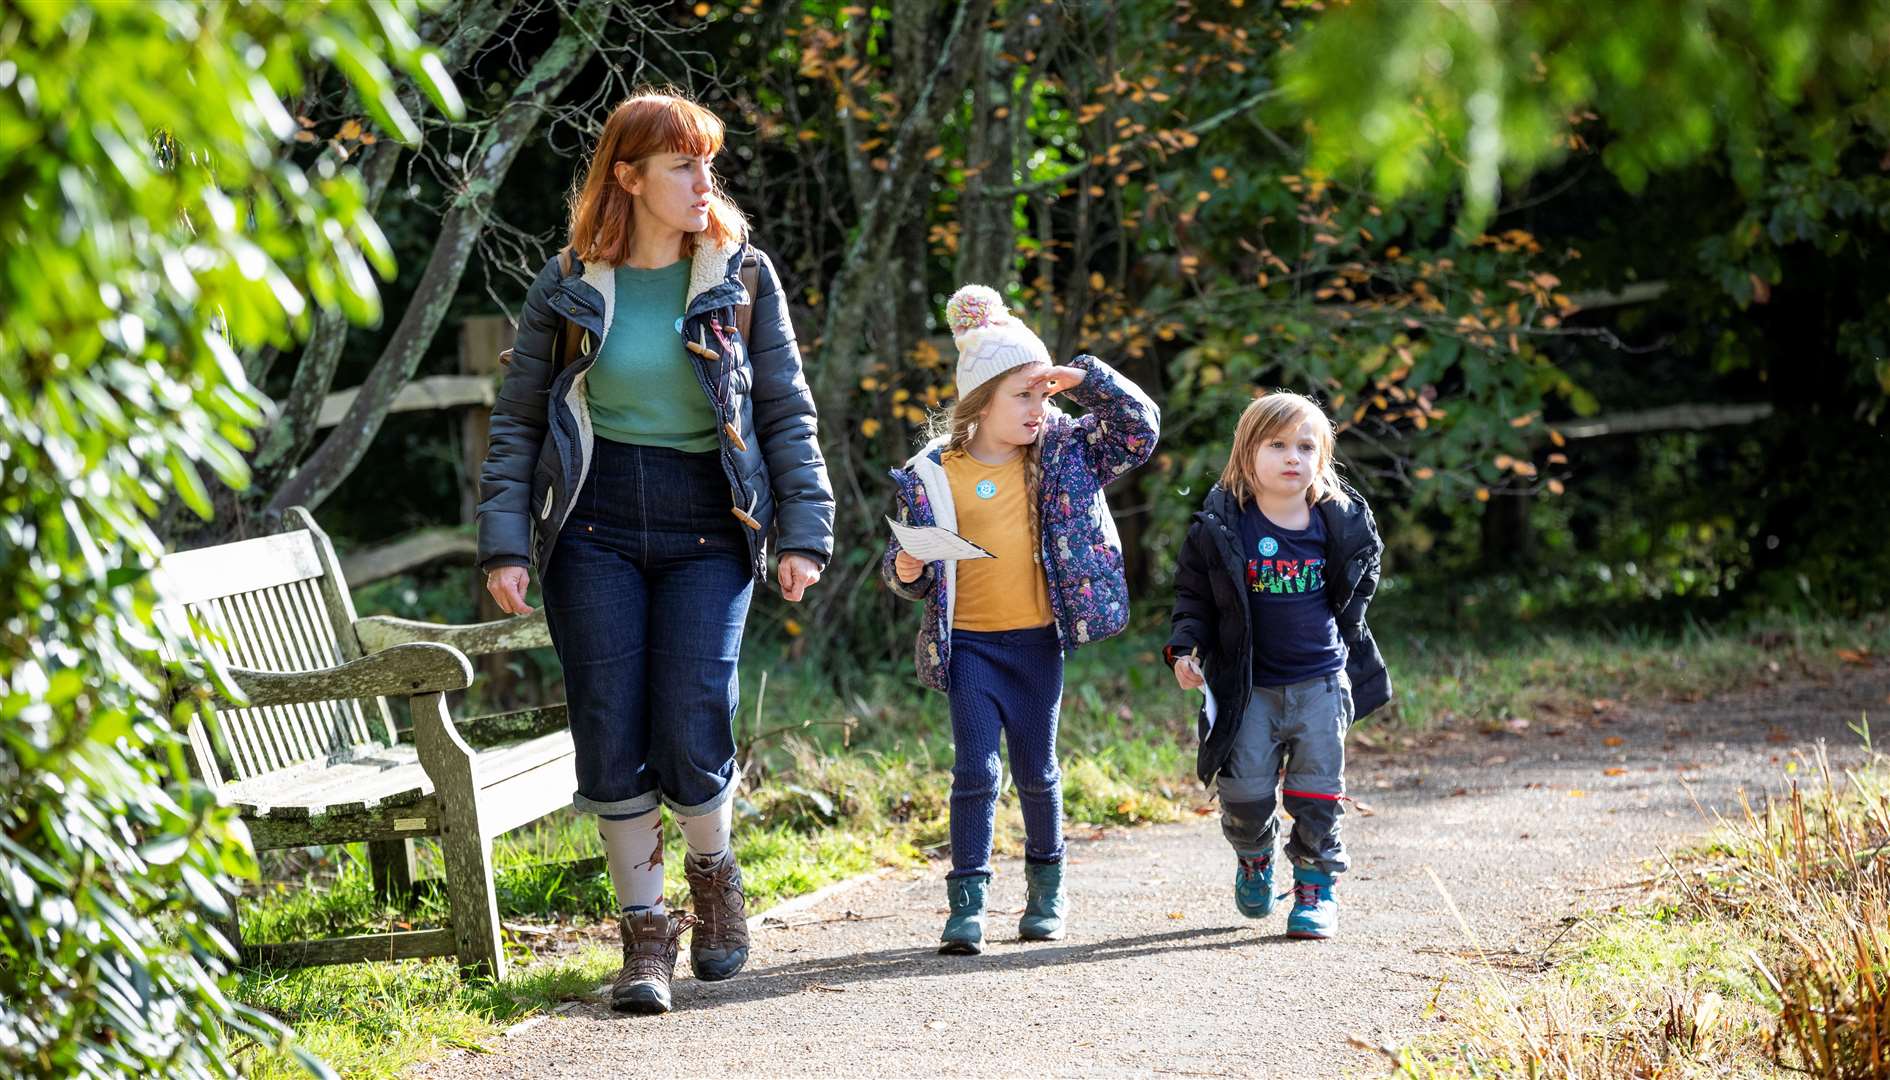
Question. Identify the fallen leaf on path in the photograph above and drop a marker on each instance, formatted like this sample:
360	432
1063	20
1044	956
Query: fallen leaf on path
1175	915
1777	736
1601	704
827	989
1614	770
1390	1052
1613	740
1577	793
1459	791
1204	809
1860	657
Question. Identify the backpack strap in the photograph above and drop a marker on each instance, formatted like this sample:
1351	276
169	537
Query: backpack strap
569	332
751	281
568	339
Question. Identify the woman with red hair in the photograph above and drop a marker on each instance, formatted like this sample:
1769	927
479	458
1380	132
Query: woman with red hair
654	436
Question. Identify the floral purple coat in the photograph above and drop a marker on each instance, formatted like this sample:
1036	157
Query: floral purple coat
1082	555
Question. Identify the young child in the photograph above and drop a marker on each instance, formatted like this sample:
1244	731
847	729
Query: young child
1010	472
1281	642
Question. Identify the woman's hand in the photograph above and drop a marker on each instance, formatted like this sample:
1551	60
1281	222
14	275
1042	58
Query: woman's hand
1057	379
507	586
907	567
1188	673
796	573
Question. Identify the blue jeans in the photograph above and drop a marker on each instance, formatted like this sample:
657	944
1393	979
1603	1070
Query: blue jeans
1009	681
1298	730
646	598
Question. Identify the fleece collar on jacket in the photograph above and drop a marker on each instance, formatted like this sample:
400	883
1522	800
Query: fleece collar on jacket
709	268
926	465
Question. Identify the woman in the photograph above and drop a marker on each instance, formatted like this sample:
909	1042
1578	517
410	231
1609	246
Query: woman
646	447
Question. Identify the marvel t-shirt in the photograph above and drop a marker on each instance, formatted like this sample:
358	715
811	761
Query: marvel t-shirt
1295	636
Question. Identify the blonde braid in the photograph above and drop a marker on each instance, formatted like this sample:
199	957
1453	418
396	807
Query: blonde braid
1033	484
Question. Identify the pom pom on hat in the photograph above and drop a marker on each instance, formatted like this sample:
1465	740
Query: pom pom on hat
990	340
974	307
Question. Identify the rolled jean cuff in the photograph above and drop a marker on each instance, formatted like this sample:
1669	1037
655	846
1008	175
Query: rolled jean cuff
1246	789
713	802
635	806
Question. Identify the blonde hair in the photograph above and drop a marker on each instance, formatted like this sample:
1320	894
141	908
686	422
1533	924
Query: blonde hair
1269	415
959	423
645	124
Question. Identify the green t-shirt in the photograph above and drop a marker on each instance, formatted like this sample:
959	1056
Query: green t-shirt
643	388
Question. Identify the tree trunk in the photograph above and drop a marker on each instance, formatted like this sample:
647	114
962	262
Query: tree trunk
860	323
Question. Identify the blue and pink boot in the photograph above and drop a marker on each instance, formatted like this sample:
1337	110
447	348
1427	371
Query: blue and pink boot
1315	913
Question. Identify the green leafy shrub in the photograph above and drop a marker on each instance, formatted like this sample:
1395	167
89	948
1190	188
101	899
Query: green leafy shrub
156	222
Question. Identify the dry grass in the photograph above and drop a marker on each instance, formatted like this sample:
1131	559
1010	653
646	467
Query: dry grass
1765	953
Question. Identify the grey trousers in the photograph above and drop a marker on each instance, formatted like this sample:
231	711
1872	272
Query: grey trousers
1299	731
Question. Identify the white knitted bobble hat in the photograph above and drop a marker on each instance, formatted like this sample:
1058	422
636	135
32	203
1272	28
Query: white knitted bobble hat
991	341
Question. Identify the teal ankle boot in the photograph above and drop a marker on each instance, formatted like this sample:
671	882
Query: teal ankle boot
1043	909
1315	913
1253	885
964	928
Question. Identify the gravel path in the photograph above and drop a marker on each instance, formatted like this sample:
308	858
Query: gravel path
1161	977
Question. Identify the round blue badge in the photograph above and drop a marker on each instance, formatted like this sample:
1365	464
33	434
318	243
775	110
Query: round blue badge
1268	545
679	324
986	489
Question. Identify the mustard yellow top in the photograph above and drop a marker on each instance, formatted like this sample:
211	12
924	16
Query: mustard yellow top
1008	592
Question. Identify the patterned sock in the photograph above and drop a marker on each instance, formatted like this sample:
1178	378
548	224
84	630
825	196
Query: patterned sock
707	834
634	849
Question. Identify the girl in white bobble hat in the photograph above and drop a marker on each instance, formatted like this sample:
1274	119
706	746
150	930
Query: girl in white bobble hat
1015	475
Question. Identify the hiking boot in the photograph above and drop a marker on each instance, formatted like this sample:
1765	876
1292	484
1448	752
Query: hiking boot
964	929
649	960
1043	906
1315	913
1253	885
719	945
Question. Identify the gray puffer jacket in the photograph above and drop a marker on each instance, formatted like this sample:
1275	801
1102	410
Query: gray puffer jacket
541	445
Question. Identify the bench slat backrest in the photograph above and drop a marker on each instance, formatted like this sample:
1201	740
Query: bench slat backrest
273	603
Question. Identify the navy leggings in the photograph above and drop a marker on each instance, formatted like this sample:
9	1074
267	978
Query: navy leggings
1009	681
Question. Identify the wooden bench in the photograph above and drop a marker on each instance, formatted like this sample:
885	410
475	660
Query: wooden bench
310	754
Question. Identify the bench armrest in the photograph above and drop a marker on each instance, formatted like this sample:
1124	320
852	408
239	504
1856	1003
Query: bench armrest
379	632
401	671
